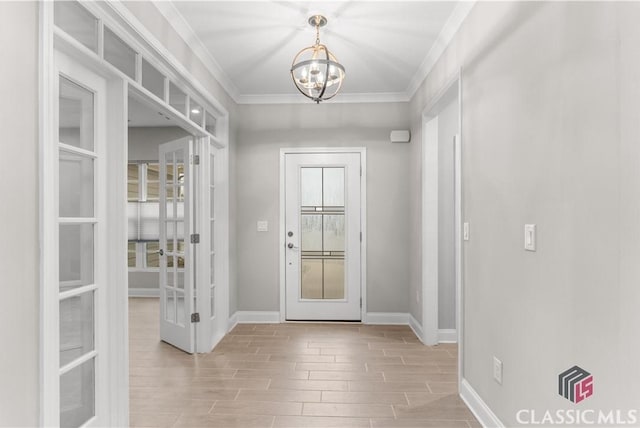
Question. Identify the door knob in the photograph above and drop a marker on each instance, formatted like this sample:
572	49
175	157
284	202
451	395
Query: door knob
291	246
161	252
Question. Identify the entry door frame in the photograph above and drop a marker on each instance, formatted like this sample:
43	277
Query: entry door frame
363	220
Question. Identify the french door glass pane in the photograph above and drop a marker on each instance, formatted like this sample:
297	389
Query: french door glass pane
152	254
75	115
170	306
77	395
76	21
181	309
76	327
76	185
76	255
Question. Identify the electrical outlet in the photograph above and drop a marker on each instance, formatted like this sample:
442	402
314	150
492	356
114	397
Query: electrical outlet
497	370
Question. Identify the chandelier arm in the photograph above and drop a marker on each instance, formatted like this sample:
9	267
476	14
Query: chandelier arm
326	75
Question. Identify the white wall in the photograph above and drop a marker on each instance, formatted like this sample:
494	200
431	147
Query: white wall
263	131
550	132
19	254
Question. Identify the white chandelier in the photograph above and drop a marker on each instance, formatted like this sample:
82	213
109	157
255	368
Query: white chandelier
315	71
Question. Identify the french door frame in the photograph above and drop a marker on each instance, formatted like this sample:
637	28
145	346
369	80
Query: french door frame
363	220
119	86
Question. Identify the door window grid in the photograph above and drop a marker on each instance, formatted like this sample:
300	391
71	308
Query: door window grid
77	242
322	225
144	190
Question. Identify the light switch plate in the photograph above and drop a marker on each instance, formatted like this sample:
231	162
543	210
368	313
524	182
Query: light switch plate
263	226
465	231
530	237
497	370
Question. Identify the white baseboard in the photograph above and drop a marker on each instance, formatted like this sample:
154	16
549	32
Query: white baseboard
479	408
387	318
416	327
232	322
447	335
144	292
257	317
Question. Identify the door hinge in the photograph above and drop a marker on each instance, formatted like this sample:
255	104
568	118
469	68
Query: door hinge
361	303
195	238
195	317
360	171
360	236
195	159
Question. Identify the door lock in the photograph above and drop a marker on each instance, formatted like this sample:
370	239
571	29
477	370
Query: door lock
291	246
289	234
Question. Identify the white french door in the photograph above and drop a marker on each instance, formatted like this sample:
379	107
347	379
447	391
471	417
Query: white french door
323	236
81	272
176	249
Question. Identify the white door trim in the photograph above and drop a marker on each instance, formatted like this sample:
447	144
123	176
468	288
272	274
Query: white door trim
429	216
363	220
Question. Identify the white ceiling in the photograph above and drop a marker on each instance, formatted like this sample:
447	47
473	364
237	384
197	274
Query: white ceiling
387	47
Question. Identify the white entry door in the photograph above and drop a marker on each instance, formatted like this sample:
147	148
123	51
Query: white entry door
176	250
323	236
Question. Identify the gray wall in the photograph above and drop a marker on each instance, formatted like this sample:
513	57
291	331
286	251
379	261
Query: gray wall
267	128
447	127
144	142
550	132
19	257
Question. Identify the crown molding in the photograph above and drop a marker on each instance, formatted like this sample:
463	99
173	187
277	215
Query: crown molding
342	98
184	30
447	33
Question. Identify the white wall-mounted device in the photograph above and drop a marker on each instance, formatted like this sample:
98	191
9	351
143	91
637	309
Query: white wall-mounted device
400	136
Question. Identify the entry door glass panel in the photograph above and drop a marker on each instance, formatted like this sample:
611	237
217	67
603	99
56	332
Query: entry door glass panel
322	230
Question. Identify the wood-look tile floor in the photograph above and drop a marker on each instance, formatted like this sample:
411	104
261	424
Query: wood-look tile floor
293	375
